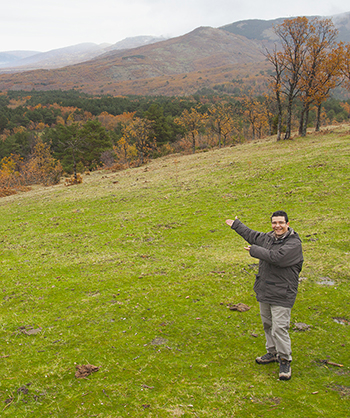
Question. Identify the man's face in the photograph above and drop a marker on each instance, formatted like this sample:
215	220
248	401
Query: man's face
279	225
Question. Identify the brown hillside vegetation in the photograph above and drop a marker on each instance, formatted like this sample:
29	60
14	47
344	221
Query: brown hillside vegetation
182	65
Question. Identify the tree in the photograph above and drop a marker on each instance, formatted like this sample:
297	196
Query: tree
161	128
21	143
269	109
94	141
139	132
192	121
41	167
73	144
255	114
3	122
345	68
66	144
124	152
277	59
9	173
293	34
320	68
331	78
221	121
307	65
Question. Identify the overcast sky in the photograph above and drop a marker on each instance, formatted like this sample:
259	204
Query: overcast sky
42	25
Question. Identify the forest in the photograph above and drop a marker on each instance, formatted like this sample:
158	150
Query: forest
44	135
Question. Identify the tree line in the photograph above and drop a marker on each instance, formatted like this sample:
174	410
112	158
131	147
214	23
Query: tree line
83	132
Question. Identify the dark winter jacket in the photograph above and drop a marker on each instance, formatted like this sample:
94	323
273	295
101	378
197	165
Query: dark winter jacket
280	262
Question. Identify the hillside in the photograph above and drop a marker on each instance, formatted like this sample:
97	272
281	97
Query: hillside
133	272
199	55
57	57
9	58
263	29
15	61
202	59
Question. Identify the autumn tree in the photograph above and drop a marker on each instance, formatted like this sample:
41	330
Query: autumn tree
277	59
307	65
41	167
221	121
321	67
293	35
255	114
38	168
111	122
192	121
139	132
345	67
10	174
124	152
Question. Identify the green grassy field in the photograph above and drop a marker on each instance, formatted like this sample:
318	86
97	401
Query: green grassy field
133	272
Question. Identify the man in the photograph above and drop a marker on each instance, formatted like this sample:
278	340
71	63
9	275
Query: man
280	261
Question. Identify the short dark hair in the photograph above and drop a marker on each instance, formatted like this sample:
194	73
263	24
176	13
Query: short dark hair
280	213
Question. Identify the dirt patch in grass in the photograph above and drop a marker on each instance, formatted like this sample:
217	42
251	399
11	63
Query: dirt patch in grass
344	391
85	370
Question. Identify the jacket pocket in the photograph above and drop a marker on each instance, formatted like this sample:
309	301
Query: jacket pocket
276	290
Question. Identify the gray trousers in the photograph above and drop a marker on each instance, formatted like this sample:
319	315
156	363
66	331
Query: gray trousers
276	320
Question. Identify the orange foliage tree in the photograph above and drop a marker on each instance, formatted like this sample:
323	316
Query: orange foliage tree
9	174
255	114
293	34
307	65
111	122
345	68
40	168
192	121
321	67
221	121
139	133
124	152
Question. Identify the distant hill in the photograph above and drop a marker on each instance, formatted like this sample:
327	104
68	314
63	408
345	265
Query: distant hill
61	57
9	58
342	23
222	59
57	58
134	42
175	66
263	29
254	28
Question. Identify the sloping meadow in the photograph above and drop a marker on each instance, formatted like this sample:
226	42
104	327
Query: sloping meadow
134	273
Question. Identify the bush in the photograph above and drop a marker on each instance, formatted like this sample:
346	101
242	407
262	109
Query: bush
71	181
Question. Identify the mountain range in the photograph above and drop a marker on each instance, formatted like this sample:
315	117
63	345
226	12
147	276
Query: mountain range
29	60
204	58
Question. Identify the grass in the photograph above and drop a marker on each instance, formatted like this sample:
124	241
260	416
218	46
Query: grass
133	271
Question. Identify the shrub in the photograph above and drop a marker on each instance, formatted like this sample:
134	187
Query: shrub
71	181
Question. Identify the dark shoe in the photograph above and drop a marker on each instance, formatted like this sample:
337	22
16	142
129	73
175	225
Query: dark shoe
266	358
285	369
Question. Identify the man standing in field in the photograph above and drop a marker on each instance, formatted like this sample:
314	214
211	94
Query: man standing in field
280	261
